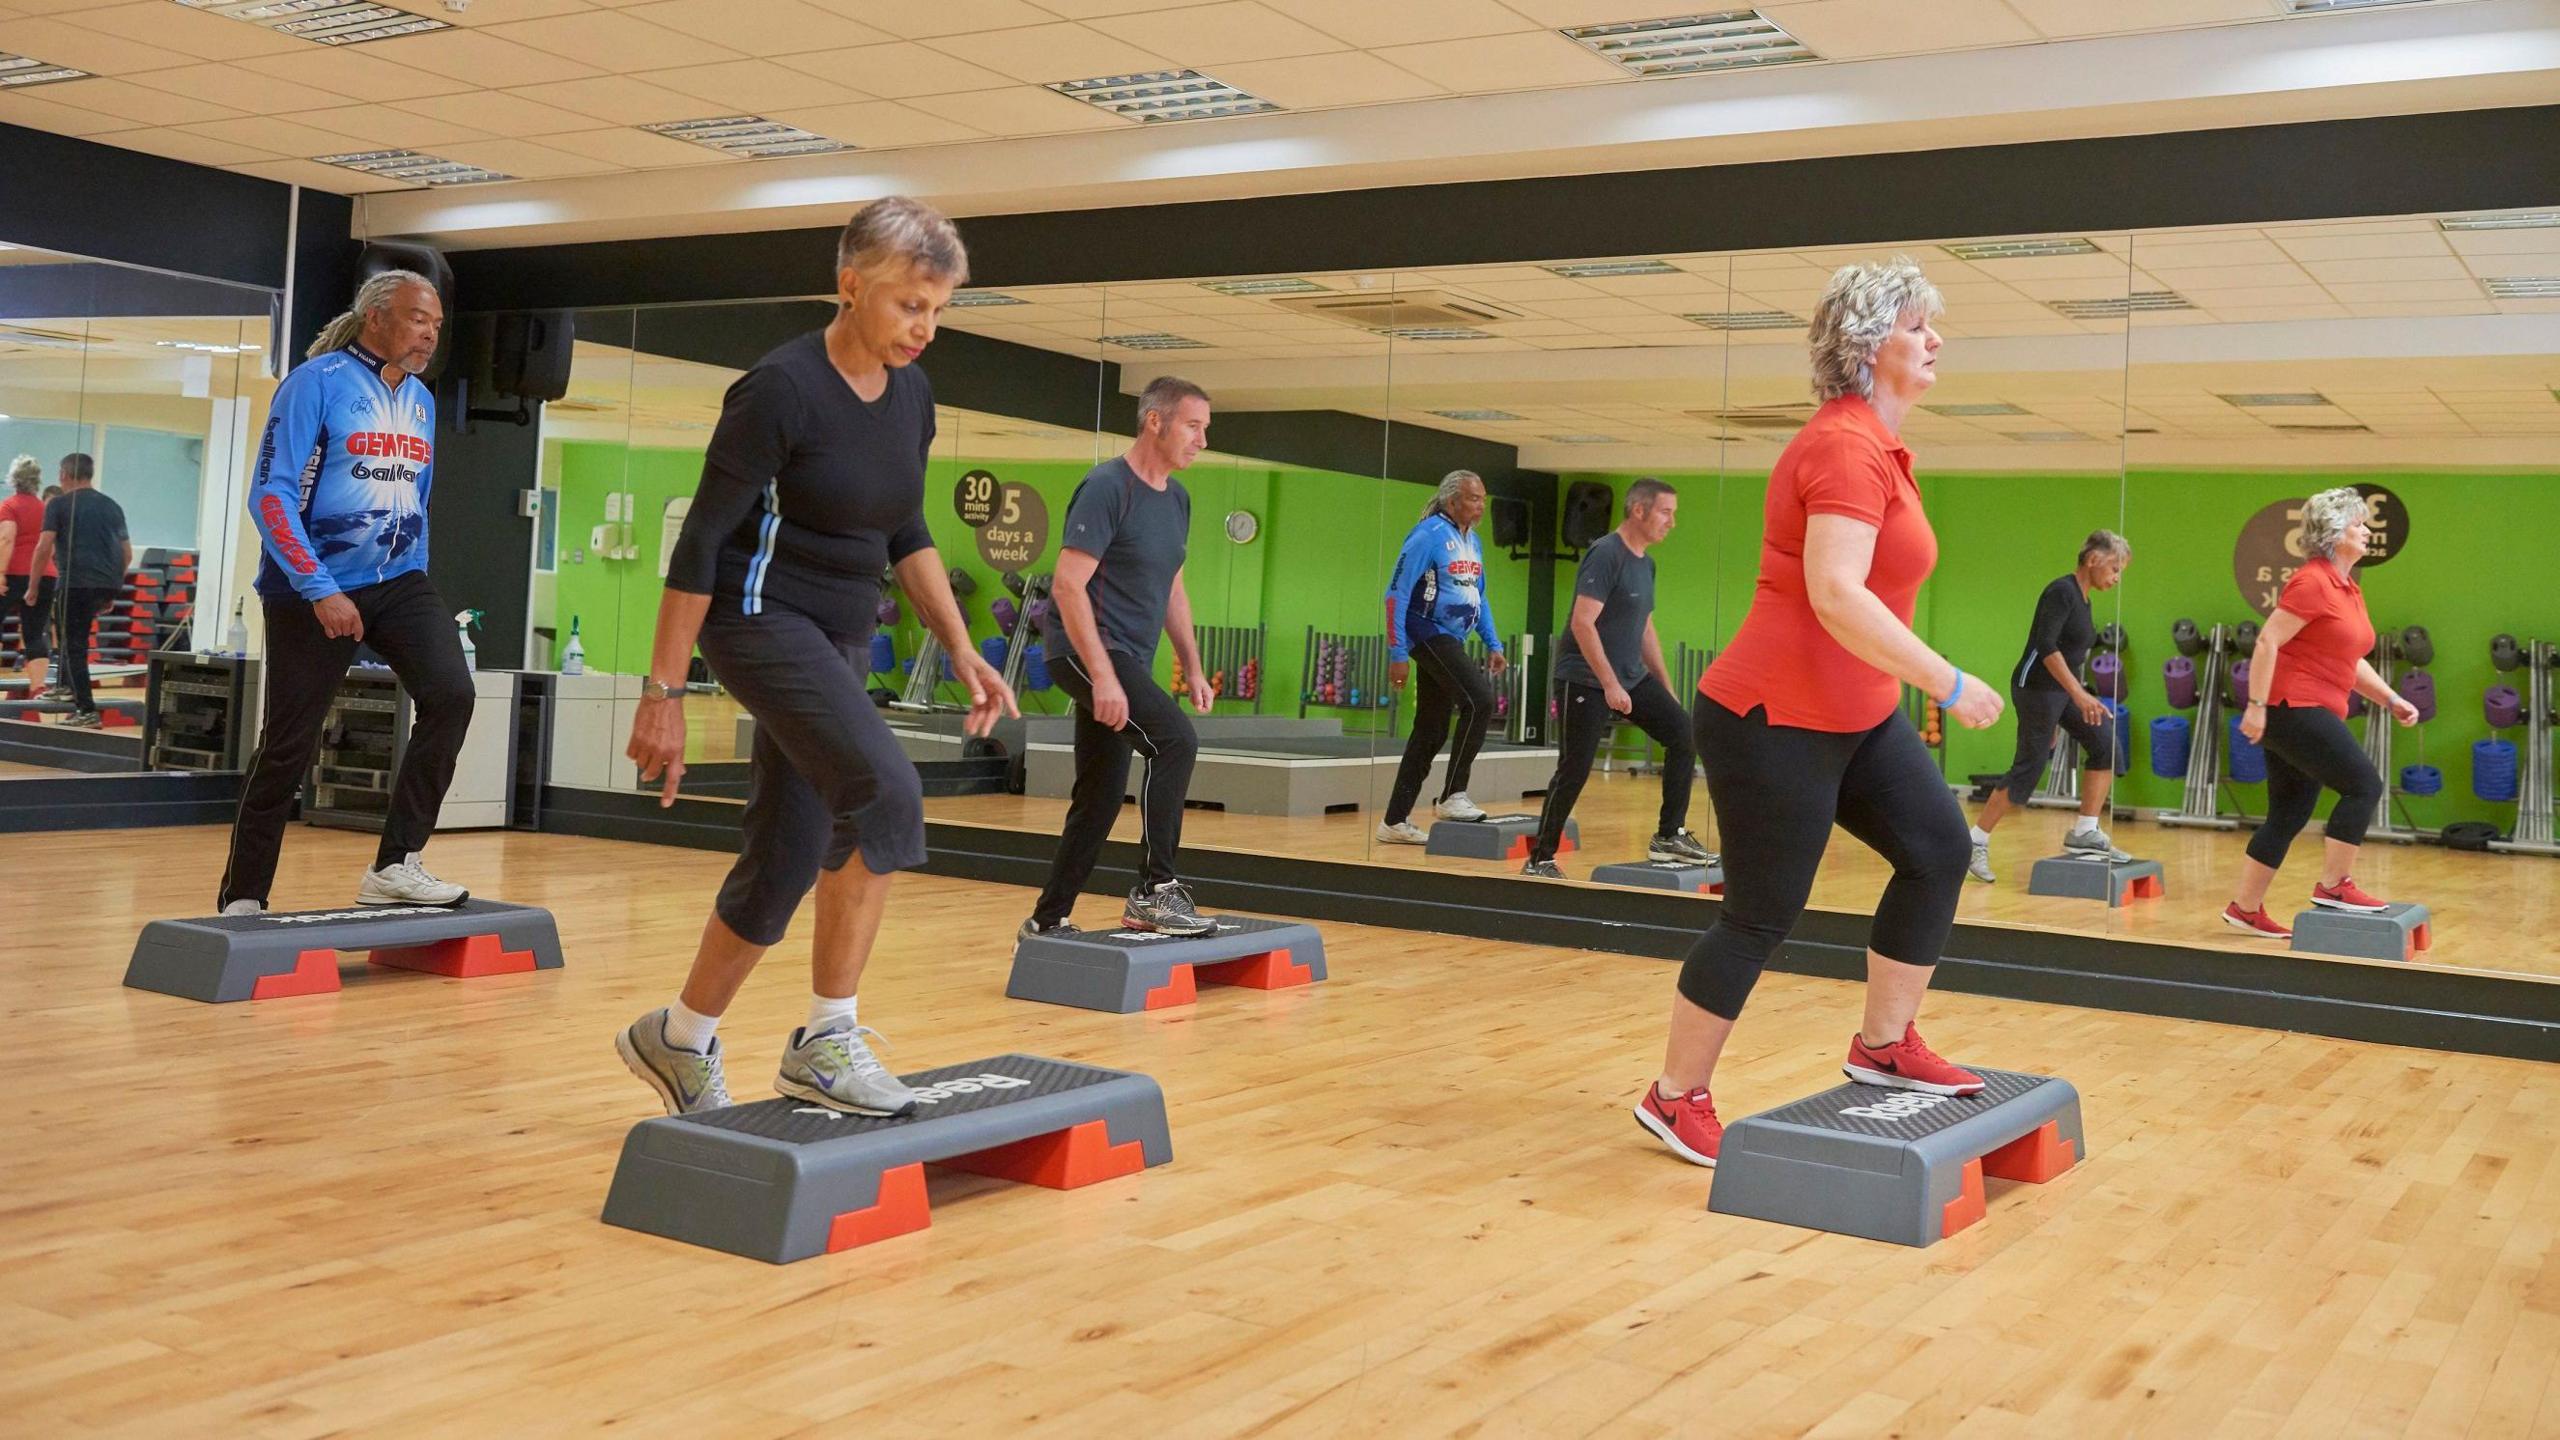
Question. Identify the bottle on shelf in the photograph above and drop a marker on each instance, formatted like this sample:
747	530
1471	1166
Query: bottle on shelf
235	640
573	656
463	620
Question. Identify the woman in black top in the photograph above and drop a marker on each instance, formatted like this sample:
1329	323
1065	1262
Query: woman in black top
2045	693
812	487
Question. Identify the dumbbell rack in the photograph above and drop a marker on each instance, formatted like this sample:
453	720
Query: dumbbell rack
2380	732
2534	799
1025	632
2200	803
1367	676
1226	650
924	682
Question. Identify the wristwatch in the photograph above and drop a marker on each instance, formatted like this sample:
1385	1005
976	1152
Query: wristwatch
650	688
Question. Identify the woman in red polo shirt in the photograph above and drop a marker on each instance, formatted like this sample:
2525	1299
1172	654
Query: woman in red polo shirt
1798	720
2310	657
28	595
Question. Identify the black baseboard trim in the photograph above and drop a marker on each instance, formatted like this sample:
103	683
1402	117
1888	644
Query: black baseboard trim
87	752
2478	1012
118	802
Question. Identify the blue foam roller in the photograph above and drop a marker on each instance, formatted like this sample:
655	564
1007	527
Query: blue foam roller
2244	763
884	654
2493	770
1035	668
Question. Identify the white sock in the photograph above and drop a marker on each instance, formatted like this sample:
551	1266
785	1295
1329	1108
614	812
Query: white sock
688	1030
2085	825
1981	836
828	1014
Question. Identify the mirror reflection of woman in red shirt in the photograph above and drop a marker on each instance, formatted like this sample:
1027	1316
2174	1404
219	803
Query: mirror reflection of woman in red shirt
2310	658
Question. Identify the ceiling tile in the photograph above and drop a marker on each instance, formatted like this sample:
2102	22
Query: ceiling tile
1313	82
194	149
614	42
2061	18
358	77
636	149
2229	277
1045	53
276	137
522	158
2365	294
1218	34
2334	273
617	98
2192	255
313	175
140	104
2502	242
485	13
227	85
2362	247
1369	24
380	125
756	87
483	59
1504	62
2527	262
878	124
1846	29
57	42
1089	9
1556	14
913	21
191	32
896	71
1021	110
760	27
498	113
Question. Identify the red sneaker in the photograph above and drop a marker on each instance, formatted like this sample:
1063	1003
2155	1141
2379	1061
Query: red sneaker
1686	1123
1908	1064
2257	922
2344	896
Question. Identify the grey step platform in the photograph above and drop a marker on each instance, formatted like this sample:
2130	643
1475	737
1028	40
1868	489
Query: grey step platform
1123	971
780	1180
2397	932
1254	766
1896	1165
295	952
1495	837
1663	875
2073	878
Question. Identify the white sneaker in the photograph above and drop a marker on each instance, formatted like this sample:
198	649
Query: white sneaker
407	882
1980	867
1403	832
244	907
1459	807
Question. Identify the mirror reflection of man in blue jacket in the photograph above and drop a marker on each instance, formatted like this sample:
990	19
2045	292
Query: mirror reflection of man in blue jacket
1436	596
339	501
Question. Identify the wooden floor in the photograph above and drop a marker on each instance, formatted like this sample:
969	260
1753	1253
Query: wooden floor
1406	1202
2492	911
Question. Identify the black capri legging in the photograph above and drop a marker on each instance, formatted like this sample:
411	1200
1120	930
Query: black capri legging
2307	749
1777	790
2040	713
35	617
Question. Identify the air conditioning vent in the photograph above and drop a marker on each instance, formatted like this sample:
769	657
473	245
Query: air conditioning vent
1404	310
1759	417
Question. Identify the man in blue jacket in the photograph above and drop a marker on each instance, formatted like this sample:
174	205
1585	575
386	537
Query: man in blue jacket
1435	598
339	499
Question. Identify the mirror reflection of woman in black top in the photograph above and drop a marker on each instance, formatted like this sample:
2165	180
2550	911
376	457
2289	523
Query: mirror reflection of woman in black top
812	487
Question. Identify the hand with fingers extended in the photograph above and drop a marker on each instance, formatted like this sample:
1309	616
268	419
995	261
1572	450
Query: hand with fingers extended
657	744
989	697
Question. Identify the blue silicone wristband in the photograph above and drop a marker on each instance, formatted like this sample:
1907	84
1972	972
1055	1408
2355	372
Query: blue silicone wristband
1953	694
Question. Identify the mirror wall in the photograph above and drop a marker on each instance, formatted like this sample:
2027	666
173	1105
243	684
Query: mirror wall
139	391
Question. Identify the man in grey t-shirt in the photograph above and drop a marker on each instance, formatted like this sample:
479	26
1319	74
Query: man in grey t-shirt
1609	667
1119	584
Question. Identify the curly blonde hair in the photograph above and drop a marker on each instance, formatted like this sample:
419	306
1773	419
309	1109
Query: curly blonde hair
26	473
1857	311
2326	516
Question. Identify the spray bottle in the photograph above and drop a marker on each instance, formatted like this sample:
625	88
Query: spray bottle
463	620
235	641
573	656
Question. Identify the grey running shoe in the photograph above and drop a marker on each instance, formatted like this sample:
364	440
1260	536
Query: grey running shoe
839	1071
1980	869
406	882
1403	832
2094	845
687	1083
244	907
1459	807
1166	909
1032	929
1679	845
83	720
1542	870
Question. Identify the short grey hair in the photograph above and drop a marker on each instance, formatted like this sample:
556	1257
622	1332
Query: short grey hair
2105	542
1645	491
1165	394
372	298
1858	310
25	474
2326	516
1450	484
895	230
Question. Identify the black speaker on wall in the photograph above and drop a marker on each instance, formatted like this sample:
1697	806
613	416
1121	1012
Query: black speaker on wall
518	355
381	255
1508	518
1587	507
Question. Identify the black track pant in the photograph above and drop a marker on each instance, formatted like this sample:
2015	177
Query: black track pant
407	624
1777	790
2039	714
81	607
2307	749
1587	717
826	778
1157	729
1445	683
35	618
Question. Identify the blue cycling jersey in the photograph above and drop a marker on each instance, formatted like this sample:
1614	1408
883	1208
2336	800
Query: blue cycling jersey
339	496
1438	588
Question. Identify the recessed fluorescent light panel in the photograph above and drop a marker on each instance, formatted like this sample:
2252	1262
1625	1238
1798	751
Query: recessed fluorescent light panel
2117	307
1263	287
1748	320
2048	437
2524	287
983	299
1435	332
1610	269
329	22
2019	249
2327	429
1962	412
202	348
1692	44
2271	400
1484	415
2521	220
2323	7
26	70
750	135
1160	95
1153	340
1584	440
412	167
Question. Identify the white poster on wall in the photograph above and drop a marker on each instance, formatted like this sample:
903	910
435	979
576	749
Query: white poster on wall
669	526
